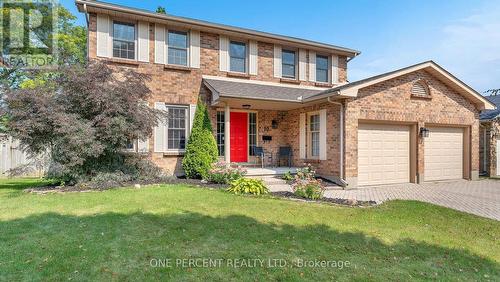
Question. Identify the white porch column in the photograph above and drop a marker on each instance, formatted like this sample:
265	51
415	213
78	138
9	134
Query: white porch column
227	135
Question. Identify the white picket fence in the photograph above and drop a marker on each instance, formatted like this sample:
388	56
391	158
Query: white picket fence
11	156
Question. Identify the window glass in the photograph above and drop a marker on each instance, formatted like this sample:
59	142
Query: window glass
252	133
123	40
177	48
220	133
321	68
177	125
314	131
288	63
237	56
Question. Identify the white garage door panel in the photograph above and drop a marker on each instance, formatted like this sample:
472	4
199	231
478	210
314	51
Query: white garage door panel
444	154
383	154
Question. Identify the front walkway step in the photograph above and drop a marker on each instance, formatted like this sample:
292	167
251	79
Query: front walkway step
274	183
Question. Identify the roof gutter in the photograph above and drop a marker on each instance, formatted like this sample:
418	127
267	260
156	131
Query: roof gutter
102	5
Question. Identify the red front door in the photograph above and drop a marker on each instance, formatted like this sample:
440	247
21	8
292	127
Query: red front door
239	137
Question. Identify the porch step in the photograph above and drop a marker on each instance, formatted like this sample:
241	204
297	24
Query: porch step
274	183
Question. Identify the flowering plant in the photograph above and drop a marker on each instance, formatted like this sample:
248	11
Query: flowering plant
224	174
306	185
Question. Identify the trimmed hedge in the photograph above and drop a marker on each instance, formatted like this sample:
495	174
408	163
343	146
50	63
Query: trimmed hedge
201	149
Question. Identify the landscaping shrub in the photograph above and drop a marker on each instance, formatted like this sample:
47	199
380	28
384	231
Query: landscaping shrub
222	174
287	176
310	189
201	149
306	185
83	117
248	186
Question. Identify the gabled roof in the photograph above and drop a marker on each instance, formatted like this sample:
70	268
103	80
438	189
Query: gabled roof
351	89
491	114
258	90
120	10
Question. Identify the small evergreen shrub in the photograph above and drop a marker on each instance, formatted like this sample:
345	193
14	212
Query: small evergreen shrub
222	174
248	186
201	149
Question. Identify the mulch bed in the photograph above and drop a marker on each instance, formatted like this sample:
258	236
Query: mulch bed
336	201
114	185
192	182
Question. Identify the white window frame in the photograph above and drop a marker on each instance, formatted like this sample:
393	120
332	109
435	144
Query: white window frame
187	125
296	66
246	55
309	133
112	35
188	45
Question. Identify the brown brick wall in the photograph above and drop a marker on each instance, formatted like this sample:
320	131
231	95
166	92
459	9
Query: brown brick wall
176	86
488	165
391	101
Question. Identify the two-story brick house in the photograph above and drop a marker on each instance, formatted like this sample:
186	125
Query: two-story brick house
268	91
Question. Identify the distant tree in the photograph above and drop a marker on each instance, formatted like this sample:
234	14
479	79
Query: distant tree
71	49
201	149
493	92
161	10
83	116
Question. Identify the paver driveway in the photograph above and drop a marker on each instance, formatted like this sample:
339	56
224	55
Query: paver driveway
480	197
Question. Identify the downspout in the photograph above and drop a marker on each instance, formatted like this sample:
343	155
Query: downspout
342	179
88	27
484	147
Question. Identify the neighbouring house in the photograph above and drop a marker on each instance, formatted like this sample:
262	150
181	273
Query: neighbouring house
489	139
264	90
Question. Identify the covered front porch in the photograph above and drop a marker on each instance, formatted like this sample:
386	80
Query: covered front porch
271	130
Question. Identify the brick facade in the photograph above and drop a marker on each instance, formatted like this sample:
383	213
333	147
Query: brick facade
388	101
391	101
184	85
488	148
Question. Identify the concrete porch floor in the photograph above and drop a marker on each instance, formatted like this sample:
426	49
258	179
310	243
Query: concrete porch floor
257	171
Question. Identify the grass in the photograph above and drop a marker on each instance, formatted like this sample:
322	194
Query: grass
117	234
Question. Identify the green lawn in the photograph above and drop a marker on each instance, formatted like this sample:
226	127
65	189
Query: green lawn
117	234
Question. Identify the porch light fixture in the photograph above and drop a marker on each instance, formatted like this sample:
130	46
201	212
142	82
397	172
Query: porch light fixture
246	106
274	124
424	132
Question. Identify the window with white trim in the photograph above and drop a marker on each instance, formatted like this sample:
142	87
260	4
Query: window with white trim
237	56
288	62
220	132
177	48
123	40
314	128
322	68
177	127
252	133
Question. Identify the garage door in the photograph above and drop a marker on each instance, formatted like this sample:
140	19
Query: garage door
444	154
383	154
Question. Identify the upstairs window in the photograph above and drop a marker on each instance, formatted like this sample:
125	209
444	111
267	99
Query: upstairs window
420	89
322	68
237	56
123	40
288	63
177	48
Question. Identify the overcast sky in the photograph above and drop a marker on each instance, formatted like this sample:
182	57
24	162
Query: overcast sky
462	36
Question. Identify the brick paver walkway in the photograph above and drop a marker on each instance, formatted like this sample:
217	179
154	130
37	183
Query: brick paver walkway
477	197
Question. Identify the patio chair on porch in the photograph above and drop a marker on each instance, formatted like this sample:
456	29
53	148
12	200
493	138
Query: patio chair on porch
259	153
285	153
